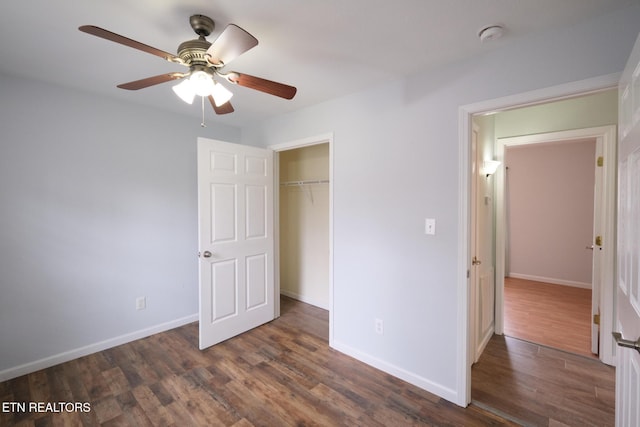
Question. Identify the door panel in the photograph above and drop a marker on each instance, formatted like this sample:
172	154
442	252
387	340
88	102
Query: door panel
223	213
628	283
235	207
223	290
256	211
256	281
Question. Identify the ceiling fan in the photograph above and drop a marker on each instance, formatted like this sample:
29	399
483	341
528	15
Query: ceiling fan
205	61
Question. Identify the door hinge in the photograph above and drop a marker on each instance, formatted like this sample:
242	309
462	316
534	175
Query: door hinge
600	161
598	240
596	319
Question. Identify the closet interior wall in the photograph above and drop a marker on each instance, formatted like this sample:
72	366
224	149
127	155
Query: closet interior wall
304	224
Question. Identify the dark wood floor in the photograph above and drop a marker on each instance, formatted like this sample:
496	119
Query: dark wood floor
553	315
279	374
543	372
540	386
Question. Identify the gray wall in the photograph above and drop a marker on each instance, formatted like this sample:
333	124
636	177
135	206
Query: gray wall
396	161
98	207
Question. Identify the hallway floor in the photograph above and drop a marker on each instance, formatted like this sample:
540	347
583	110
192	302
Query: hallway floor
535	385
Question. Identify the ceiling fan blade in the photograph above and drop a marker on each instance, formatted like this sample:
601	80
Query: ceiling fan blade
151	81
108	35
231	43
263	85
225	108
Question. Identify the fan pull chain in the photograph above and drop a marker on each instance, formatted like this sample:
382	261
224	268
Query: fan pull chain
202	124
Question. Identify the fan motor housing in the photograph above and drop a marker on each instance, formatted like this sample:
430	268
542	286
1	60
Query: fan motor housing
194	51
201	24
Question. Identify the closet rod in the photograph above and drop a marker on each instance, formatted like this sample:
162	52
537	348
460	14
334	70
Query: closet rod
306	182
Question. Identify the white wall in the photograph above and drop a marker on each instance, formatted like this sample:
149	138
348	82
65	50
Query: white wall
304	225
396	162
98	208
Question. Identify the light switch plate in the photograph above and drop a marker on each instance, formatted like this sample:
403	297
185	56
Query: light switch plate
430	226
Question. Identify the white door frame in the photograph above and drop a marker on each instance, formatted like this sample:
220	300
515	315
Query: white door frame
465	113
299	143
604	220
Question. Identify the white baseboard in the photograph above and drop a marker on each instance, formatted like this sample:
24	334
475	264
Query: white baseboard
411	378
550	280
304	299
56	359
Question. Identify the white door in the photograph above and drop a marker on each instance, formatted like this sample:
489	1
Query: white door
236	243
482	230
473	270
628	283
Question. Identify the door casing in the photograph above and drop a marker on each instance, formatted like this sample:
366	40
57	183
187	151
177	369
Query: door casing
465	114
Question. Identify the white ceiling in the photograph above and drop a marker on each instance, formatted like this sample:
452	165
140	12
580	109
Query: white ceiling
326	48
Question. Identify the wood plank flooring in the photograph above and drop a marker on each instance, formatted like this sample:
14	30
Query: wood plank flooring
540	386
553	315
280	374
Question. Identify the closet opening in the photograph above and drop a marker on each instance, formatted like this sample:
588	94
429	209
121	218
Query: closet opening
303	175
304	212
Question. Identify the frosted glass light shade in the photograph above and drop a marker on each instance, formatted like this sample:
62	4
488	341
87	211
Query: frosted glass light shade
202	83
185	91
221	95
489	167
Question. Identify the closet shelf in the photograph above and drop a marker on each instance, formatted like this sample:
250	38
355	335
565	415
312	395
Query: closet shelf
305	182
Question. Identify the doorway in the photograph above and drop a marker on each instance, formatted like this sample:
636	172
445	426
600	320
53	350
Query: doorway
304	221
600	199
514	217
549	202
539	131
304	224
567	91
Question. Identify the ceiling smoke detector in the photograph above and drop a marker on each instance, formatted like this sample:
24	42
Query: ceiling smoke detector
492	32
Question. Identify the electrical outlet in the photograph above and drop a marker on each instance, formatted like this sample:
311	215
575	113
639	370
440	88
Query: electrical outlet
379	326
141	303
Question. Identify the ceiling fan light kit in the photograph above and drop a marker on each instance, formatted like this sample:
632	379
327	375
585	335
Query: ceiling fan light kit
204	60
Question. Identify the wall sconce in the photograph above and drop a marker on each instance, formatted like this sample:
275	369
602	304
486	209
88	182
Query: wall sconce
489	167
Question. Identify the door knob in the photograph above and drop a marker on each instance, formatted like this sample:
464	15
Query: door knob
626	343
475	261
207	254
